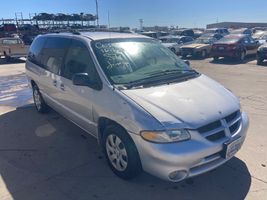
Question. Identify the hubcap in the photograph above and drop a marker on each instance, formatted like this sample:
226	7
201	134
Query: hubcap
37	99
203	54
116	152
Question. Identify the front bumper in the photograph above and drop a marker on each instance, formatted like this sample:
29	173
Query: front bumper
191	158
262	54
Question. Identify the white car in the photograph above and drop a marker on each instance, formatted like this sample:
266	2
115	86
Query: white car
175	42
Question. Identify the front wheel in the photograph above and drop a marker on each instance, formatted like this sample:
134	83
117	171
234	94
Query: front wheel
259	60
121	153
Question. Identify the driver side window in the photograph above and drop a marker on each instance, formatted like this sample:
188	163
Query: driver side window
78	60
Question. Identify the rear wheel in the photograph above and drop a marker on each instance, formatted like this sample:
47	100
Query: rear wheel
242	56
7	58
39	103
203	54
121	152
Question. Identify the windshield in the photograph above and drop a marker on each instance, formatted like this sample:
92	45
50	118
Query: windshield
229	40
204	40
170	40
126	61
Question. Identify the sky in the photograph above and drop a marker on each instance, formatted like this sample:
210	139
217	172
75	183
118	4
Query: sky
182	13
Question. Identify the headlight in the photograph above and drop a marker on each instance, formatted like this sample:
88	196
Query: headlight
166	136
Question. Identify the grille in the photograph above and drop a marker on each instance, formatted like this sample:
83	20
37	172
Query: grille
219	129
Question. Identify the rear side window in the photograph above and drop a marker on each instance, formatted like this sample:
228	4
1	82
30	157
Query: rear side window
53	53
78	60
35	50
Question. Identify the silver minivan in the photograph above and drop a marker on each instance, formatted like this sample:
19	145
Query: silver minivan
148	109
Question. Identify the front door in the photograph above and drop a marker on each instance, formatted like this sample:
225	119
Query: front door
77	100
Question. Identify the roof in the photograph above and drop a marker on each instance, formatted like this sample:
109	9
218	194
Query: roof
103	35
110	35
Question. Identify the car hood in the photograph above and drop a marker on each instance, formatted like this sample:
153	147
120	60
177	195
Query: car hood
195	45
188	104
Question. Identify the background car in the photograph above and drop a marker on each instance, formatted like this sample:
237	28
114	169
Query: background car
217	36
222	31
175	42
183	32
245	31
262	54
235	46
199	48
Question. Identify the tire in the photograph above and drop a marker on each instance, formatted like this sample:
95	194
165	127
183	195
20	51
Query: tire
259	60
173	50
203	54
242	56
7	58
215	58
121	153
39	103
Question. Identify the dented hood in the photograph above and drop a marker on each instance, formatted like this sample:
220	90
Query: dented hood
191	103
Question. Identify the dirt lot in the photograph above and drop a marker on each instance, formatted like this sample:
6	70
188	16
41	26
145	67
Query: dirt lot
46	157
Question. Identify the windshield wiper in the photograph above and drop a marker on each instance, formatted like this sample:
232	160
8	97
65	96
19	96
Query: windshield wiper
158	78
169	71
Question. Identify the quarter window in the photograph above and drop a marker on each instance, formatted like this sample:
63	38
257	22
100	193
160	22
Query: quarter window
53	53
35	50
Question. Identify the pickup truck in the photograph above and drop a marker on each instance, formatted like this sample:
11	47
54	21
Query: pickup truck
13	48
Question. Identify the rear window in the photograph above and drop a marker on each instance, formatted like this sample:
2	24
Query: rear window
10	41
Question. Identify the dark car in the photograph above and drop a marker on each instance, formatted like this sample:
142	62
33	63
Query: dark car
183	32
245	31
262	54
8	28
217	36
234	46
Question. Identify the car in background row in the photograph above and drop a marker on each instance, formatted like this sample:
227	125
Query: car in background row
8	28
175	42
217	36
259	34
221	31
245	31
13	48
183	32
199	48
262	54
234	46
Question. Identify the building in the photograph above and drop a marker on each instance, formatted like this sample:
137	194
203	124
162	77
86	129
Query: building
236	25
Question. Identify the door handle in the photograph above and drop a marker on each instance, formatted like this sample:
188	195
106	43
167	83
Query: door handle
54	82
62	87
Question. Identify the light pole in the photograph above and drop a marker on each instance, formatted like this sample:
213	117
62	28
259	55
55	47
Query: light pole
97	19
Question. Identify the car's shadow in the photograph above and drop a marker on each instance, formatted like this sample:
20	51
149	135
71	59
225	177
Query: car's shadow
48	157
232	61
3	61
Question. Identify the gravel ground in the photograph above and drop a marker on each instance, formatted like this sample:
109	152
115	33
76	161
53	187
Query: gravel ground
47	157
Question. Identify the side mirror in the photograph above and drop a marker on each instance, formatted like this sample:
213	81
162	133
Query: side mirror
83	79
187	62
